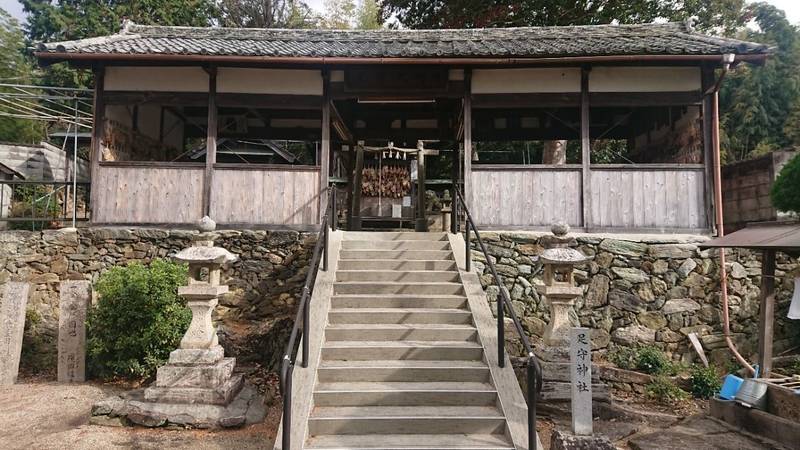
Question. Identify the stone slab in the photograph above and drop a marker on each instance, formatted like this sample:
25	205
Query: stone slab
12	326
556	391
760	423
183	356
221	395
198	376
247	407
580	349
561	440
74	299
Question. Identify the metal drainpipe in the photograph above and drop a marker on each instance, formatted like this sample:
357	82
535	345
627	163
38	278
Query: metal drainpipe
727	60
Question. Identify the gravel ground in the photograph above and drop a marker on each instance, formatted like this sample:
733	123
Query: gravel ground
36	415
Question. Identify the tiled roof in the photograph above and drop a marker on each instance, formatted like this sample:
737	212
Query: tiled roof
527	42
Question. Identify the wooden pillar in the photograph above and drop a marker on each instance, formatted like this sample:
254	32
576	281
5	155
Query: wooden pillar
325	147
422	218
355	208
586	147
211	140
98	133
467	138
708	113
767	312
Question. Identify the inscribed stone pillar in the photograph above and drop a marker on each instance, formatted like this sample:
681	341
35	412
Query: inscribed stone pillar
73	305
12	325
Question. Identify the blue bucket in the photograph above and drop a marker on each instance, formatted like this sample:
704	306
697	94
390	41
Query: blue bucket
730	387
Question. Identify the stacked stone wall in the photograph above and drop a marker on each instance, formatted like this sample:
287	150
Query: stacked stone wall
254	317
646	290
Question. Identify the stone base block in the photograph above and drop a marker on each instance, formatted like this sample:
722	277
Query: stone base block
561	440
553	354
560	371
247	407
557	391
221	395
197	376
185	357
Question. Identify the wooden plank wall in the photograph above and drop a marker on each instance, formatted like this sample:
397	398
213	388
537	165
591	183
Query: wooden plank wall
151	195
273	196
648	198
519	196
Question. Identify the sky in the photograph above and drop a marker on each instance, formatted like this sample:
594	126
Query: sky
792	8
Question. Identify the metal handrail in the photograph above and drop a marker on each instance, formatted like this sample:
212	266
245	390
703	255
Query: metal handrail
303	315
534	369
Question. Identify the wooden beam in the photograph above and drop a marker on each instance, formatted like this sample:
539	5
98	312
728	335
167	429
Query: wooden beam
211	140
467	138
355	209
586	149
325	146
767	312
98	131
708	113
422	219
340	125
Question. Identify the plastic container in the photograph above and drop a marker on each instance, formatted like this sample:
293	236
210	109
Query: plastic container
730	386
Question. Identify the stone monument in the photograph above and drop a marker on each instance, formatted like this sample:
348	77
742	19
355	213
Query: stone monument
197	387
12	326
560	291
73	304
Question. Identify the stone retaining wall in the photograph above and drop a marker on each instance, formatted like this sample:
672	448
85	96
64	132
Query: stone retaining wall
646	289
255	316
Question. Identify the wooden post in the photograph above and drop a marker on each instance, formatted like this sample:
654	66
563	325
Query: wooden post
98	132
468	138
422	218
355	209
324	163
708	116
767	312
211	140
586	147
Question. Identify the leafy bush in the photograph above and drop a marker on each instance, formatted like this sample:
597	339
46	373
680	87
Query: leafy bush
138	320
704	381
665	391
647	359
786	190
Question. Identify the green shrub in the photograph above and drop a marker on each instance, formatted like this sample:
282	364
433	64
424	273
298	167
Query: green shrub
705	381
785	192
664	390
647	359
138	320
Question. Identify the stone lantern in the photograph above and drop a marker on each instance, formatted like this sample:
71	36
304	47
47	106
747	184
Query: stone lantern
559	261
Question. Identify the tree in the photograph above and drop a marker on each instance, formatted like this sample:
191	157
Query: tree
785	192
60	20
759	105
339	14
713	14
368	15
15	68
266	14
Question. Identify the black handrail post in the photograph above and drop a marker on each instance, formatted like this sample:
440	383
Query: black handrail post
501	329
334	218
468	251
304	303
532	385
286	440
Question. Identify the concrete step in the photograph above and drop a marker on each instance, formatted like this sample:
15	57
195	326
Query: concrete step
411	441
404	394
393	236
399	315
427	350
391	288
400	332
403	370
426	276
395	245
398	301
414	255
395	264
406	420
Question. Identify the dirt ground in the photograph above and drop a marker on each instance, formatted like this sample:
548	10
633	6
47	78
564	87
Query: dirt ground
47	415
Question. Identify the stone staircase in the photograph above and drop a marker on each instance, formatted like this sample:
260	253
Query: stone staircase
402	363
